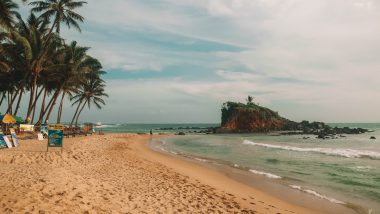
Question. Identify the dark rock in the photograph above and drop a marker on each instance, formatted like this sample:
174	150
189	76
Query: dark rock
181	133
253	118
321	136
372	138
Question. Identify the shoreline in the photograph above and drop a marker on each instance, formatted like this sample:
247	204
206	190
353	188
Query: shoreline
266	185
218	179
119	172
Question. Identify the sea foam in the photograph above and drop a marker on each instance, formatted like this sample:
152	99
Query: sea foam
266	174
200	159
348	153
108	126
312	192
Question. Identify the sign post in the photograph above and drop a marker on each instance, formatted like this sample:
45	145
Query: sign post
3	144
7	141
55	136
26	128
14	138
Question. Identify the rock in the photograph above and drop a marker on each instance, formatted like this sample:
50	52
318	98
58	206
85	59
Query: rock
253	118
321	136
372	138
181	133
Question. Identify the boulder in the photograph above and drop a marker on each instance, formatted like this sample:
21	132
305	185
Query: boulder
321	136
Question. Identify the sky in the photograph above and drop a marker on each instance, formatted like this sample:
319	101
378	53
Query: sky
177	61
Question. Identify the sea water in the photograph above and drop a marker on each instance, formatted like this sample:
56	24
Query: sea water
156	128
343	171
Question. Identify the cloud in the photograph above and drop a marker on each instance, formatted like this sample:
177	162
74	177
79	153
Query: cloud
308	59
218	8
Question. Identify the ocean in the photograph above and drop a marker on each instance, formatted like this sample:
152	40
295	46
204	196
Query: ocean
343	171
156	128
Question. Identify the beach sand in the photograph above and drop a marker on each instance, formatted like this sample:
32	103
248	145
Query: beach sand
118	173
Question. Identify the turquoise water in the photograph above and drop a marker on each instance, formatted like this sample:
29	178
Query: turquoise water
344	171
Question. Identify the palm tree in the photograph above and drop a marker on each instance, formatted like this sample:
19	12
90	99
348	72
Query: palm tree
249	100
36	54
74	59
4	67
90	92
62	11
7	13
34	61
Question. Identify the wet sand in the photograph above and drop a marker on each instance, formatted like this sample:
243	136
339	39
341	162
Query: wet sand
118	173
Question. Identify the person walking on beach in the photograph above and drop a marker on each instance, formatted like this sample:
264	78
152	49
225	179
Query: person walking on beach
151	132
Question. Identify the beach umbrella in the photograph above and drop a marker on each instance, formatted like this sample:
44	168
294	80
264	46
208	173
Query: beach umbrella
18	119
7	119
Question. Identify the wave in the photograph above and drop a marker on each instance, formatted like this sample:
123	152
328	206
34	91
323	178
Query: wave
312	192
266	174
363	167
200	159
348	153
108	126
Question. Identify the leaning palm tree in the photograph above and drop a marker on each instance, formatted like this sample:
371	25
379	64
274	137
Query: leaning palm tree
74	61
36	53
7	13
90	92
62	11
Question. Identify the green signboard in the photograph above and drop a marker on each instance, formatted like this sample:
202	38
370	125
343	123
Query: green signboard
55	134
3	144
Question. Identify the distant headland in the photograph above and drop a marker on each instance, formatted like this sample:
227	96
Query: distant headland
253	118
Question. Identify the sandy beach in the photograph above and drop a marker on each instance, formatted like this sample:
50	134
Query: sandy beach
118	173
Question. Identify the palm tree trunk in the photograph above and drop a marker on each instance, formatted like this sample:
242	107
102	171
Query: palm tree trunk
18	102
60	108
2	98
35	103
76	112
55	97
76	121
9	103
11	97
21	86
37	98
42	108
33	114
33	92
12	100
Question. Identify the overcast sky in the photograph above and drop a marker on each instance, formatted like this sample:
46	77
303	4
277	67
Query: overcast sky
179	60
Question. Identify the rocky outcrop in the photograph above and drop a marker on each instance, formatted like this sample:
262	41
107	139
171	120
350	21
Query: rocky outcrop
238	117
251	118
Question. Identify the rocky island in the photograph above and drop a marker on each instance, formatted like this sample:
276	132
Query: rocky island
253	118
